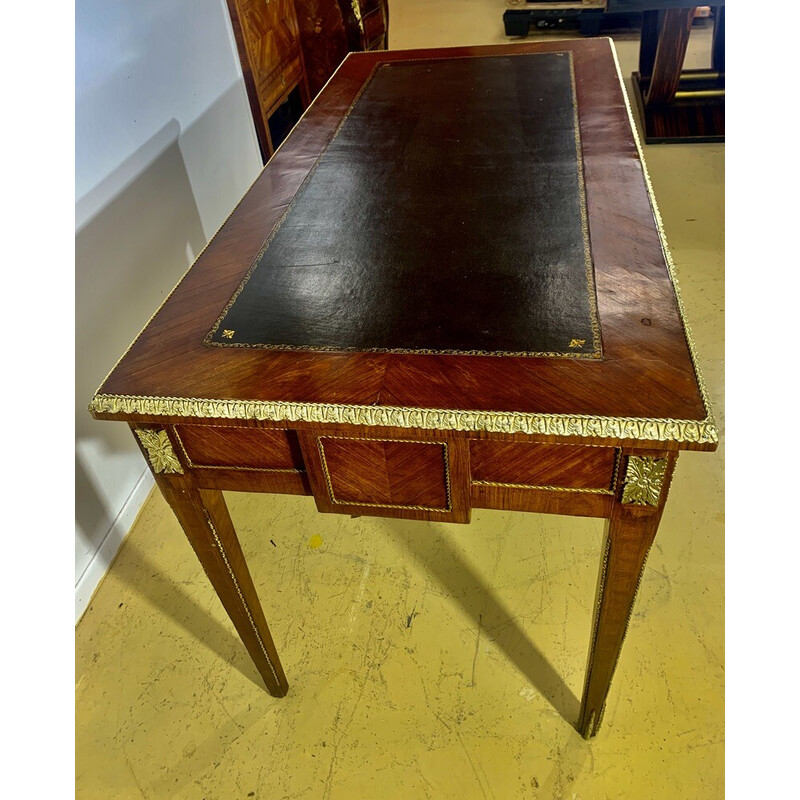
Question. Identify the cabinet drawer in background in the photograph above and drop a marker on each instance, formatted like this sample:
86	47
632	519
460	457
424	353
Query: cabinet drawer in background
279	82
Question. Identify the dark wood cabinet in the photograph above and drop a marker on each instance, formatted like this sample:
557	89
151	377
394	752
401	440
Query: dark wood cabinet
323	39
366	23
268	41
288	50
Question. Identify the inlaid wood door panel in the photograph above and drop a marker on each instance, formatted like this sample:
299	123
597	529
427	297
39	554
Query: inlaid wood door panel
323	39
271	34
268	43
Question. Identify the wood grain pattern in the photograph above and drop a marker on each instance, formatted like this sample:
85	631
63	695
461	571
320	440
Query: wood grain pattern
543	465
647	371
267	38
630	532
409	479
539	501
396	473
670	54
239	448
204	518
241	480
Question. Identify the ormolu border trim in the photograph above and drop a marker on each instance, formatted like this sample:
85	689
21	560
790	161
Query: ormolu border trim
709	420
620	428
635	428
543	488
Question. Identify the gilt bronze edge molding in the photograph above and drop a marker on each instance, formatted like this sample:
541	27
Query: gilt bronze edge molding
619	428
664	246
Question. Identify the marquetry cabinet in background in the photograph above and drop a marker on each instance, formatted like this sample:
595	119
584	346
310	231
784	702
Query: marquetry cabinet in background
289	48
367	24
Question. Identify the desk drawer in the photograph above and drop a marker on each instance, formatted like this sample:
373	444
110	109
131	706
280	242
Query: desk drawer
210	447
279	83
421	478
567	467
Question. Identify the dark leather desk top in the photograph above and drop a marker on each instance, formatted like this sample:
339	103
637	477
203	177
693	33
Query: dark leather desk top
447	215
643	387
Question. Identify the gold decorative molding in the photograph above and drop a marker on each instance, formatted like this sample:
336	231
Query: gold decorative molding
619	428
357	14
501	485
159	450
709	420
644	479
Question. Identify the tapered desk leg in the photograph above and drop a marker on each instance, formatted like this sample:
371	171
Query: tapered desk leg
207	524
629	533
204	518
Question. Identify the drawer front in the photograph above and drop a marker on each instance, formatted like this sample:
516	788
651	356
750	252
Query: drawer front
271	34
425	478
208	447
572	467
391	473
278	83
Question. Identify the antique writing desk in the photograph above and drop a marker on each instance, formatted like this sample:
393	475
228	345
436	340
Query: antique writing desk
447	290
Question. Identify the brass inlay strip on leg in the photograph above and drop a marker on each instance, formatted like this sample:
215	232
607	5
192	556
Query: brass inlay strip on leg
236	586
596	625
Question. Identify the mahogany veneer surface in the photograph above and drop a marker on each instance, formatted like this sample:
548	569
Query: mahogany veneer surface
561	466
374	472
646	369
437	466
206	446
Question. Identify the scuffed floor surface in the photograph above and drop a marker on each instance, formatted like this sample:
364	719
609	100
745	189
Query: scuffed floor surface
427	660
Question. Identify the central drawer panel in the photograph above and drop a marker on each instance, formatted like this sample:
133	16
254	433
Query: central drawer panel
384	472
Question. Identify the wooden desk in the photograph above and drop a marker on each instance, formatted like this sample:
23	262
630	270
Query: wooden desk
448	289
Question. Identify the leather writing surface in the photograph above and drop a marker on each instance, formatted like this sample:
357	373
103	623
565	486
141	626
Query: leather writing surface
446	215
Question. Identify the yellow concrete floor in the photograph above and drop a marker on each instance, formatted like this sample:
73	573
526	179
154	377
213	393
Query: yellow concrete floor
418	653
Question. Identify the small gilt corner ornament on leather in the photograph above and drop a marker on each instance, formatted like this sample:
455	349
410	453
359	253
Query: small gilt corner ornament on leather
159	450
644	478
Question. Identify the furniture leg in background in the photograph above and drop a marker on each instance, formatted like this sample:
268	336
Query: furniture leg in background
677	105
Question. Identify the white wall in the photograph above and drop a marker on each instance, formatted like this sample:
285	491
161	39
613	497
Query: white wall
165	147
